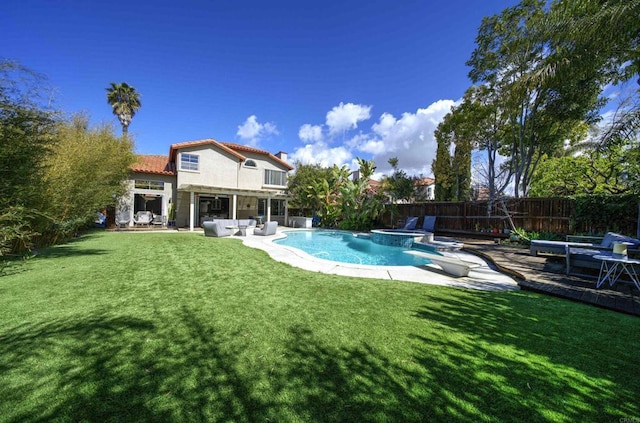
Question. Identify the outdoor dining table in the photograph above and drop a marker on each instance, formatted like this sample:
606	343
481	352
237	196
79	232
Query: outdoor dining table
613	267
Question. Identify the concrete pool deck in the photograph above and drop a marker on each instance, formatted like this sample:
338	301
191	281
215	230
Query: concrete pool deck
482	277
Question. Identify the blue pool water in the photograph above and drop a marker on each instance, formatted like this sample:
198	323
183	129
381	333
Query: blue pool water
345	248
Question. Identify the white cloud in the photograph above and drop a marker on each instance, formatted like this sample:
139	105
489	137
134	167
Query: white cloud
409	138
310	133
320	153
346	116
252	131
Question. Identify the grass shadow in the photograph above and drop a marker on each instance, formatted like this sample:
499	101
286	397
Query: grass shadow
521	362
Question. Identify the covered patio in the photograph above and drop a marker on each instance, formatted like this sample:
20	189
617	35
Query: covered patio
199	203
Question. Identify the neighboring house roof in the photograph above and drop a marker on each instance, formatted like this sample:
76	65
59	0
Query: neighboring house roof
425	181
231	148
153	164
374	186
481	193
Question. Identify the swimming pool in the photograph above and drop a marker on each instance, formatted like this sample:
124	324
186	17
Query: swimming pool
344	247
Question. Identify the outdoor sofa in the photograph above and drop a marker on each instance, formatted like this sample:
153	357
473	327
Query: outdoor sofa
236	222
269	228
581	254
215	229
225	227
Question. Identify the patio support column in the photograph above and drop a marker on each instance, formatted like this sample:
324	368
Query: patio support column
130	205
286	212
192	209
268	219
234	206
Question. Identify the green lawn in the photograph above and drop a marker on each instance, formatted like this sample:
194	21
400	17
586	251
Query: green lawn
179	327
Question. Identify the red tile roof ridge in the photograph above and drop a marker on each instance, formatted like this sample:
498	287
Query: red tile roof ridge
153	163
230	147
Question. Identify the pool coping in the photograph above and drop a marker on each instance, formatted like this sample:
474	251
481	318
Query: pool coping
482	277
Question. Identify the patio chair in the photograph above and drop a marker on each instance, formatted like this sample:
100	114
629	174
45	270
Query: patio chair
215	229
142	218
269	228
159	220
409	225
429	224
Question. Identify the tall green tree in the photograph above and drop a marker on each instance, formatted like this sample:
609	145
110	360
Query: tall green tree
300	186
26	128
85	171
539	108
595	33
442	167
26	138
399	186
125	102
460	129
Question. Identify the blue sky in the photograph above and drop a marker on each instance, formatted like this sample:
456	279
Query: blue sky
323	81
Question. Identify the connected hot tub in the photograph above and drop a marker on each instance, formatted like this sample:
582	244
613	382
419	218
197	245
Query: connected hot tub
396	238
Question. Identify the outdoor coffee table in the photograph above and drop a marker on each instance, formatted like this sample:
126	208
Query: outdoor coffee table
613	267
239	230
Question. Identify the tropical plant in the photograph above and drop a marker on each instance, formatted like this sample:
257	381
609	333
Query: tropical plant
341	201
125	102
360	205
325	195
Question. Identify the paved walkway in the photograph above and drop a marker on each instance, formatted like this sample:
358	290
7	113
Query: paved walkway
545	274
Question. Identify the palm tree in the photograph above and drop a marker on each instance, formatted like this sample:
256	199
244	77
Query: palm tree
125	102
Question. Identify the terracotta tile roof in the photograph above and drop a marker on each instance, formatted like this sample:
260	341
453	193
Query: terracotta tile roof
231	148
425	181
173	150
153	164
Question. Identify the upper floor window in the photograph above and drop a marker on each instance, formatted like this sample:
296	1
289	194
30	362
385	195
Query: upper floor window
154	185
250	163
188	161
275	177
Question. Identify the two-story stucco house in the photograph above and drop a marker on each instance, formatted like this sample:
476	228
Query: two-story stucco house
206	179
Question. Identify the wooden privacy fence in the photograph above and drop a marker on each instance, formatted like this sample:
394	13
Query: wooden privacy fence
555	215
